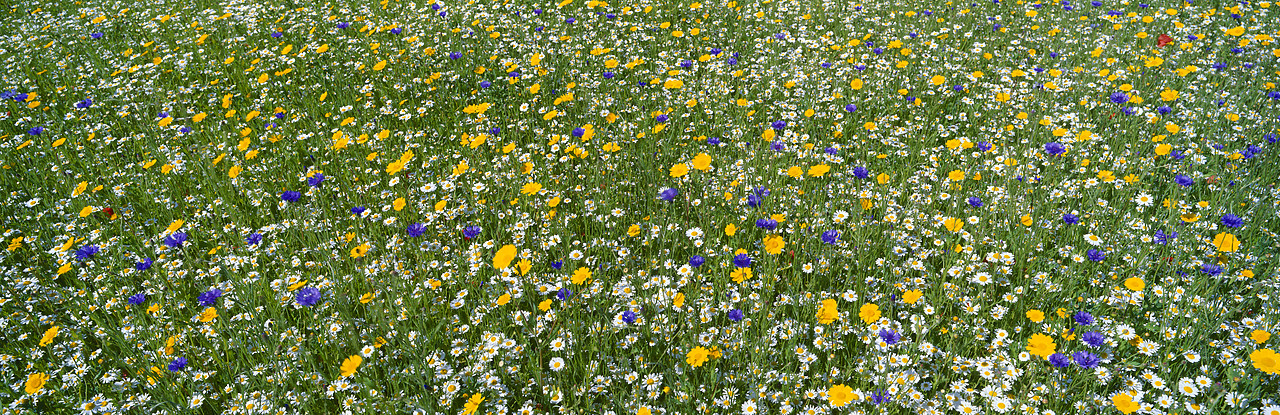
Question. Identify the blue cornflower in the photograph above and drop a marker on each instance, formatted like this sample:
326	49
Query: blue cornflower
879	397
715	141
415	230
357	210
564	293
343	25
984	146
1085	359
144	265
178	364
455	55
253	239
753	200
762	191
1164	109
314	181
276	34
608	75
208	298
777	146
1059	360
138	298
86	252
861	172
1183	180
831	236
471	232
1094	339
175	240
96	35
86	103
831	151
308	296
766	224
1096	255
736	315
662	118
557	264
778	125
1211	269
578	132
629	316
1055	148
889	336
569	20
850	108
1232	221
741	261
35	130
697	261
290	196
686	63
975	201
669	194
1070	219
1083	318
485	84
396	31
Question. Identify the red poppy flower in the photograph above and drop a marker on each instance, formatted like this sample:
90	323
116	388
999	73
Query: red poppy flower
1163	40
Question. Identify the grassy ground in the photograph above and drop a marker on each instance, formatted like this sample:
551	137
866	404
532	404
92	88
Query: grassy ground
890	207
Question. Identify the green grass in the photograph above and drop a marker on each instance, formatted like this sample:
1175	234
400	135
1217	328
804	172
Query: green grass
428	306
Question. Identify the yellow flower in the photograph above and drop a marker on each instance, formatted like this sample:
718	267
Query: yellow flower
644	410
869	313
1266	360
581	275
1135	283
679	170
472	404
678	301
702	161
48	336
730	229
1235	31
208	315
350	365
545	305
35	382
1124	402
910	297
1041	345
673	84
953	224
956	175
1260	336
773	244
697	356
819	170
829	312
1226	242
360	250
1026	220
633	230
839	395
399	204
795	172
503	257
531	188
504	299
741	274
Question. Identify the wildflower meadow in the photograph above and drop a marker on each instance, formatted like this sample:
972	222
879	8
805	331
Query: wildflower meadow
752	207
